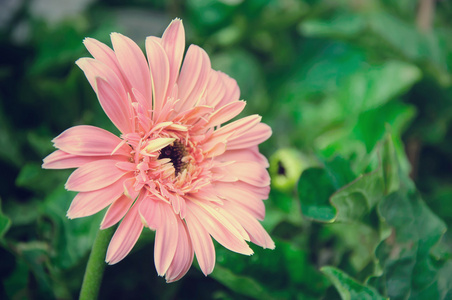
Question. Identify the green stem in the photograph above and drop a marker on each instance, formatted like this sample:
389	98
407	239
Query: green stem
96	264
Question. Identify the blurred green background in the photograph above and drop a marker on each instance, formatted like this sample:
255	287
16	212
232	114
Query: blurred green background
359	96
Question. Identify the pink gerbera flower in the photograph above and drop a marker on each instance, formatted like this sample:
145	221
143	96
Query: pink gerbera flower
175	168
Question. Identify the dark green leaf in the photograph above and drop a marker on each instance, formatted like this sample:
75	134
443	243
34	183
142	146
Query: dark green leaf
348	287
5	222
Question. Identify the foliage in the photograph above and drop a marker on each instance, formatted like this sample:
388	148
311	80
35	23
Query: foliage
359	97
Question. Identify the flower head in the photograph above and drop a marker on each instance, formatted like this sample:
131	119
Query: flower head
175	169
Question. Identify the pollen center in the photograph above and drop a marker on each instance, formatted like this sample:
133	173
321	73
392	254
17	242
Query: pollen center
176	152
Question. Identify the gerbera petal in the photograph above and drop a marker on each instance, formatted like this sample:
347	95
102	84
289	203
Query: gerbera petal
125	236
258	134
173	41
89	203
106	55
94	175
232	91
248	154
166	238
258	234
183	257
249	172
62	160
226	113
160	72
193	77
114	106
241	196
89	141
149	212
227	132
116	211
202	243
133	64
221	228
215	89
94	68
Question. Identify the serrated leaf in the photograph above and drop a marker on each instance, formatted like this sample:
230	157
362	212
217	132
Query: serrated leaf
321	202
349	288
410	270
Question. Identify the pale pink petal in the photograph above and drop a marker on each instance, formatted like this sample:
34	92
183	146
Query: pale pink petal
129	188
173	41
249	172
94	175
221	228
114	106
160	72
258	134
241	196
183	257
215	89
236	128
125	236
145	104
202	243
89	203
94	68
248	154
193	77
166	238
90	141
116	211
232	91
226	113
257	233
62	160
150	214
106	55
133	64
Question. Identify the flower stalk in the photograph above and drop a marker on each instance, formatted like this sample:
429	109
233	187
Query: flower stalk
96	265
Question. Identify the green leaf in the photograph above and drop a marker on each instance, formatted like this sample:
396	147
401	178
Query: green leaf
348	287
357	199
321	202
314	190
71	239
374	86
5	222
240	284
409	268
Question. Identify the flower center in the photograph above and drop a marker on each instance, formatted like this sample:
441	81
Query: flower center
176	152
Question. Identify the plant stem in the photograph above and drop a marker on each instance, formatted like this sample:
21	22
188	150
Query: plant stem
96	264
